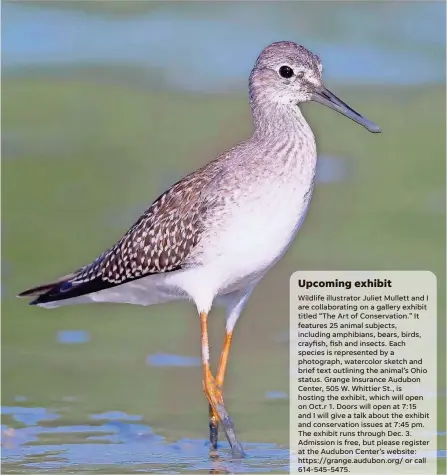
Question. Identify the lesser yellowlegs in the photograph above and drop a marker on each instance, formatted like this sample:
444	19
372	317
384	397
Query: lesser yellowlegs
214	235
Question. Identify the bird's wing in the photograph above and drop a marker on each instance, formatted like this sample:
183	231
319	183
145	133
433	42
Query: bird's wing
160	241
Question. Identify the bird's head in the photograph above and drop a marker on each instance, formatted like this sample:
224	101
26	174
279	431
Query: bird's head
288	74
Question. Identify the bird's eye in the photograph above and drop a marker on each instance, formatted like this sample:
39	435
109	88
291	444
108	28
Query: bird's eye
285	72
300	75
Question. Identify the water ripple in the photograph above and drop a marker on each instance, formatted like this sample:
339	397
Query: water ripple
117	442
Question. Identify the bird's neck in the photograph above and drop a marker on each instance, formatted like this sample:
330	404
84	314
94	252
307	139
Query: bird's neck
278	119
289	137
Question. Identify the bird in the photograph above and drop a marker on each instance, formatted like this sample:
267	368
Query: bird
213	235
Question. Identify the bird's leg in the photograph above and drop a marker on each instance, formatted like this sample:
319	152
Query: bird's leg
214	427
214	394
220	376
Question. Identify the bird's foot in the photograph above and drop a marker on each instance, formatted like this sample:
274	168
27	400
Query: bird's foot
218	413
214	427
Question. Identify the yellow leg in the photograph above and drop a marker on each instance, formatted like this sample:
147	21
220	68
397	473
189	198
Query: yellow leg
213	392
220	376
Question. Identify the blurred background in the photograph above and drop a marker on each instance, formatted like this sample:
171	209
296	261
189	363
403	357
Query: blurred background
104	105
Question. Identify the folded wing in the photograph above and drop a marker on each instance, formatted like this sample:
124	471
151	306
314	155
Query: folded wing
160	241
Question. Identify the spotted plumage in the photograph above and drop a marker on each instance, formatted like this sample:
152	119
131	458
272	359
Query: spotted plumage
160	241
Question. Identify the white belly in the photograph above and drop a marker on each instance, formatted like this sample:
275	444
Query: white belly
255	237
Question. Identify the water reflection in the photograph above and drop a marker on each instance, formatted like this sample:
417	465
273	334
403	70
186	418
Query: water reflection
116	441
135	447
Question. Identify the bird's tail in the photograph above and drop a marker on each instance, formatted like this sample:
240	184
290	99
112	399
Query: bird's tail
46	292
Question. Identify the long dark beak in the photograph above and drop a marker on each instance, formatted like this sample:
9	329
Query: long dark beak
325	97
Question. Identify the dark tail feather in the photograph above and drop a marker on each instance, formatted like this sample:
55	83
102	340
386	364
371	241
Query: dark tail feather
37	291
47	292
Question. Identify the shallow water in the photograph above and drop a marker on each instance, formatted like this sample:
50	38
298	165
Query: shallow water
116	442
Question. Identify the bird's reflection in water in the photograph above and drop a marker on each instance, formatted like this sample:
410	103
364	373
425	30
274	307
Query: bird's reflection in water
218	466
